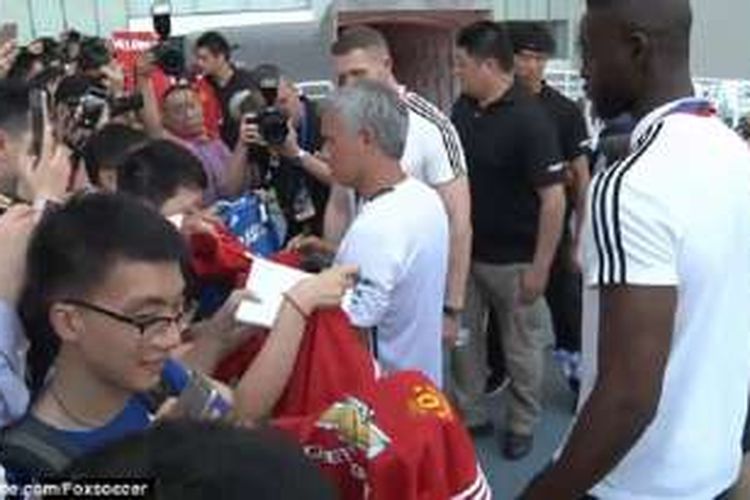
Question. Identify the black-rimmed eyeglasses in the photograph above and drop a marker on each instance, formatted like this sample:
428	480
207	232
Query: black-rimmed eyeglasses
152	327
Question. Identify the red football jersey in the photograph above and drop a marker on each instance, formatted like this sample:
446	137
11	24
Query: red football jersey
398	439
387	438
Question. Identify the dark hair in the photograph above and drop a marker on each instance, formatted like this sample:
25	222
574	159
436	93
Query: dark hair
109	146
15	105
358	37
531	35
156	171
196	460
215	43
487	40
266	71
23	64
73	249
71	88
94	54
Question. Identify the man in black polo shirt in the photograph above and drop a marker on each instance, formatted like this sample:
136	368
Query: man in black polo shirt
516	175
533	45
213	55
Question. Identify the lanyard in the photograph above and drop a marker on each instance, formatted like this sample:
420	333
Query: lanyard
304	130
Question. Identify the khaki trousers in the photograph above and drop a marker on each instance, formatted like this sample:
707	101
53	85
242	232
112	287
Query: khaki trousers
525	334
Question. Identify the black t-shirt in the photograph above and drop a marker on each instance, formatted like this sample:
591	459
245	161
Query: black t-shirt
242	79
511	149
571	126
573	137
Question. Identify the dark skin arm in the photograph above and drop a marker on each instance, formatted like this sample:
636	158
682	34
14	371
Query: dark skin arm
635	326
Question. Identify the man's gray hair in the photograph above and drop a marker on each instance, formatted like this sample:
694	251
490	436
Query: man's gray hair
373	106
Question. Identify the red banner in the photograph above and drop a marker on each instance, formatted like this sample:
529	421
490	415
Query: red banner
128	46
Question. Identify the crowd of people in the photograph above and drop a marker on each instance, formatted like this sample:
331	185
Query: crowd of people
445	256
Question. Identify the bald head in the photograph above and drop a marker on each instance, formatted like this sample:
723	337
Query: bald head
635	52
666	22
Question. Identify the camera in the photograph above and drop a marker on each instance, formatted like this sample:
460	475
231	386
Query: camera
256	106
169	56
272	125
96	99
86	101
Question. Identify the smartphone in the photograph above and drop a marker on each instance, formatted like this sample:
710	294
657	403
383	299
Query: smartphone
8	31
38	98
201	401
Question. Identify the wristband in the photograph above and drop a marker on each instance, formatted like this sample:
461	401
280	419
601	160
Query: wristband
295	305
302	154
452	312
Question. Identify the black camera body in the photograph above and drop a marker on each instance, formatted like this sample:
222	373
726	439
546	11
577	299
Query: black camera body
272	124
169	56
96	99
256	106
168	53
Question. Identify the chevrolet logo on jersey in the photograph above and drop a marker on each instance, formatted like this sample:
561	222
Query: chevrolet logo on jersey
354	423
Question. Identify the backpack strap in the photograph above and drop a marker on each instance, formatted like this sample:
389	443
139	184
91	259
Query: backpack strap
32	447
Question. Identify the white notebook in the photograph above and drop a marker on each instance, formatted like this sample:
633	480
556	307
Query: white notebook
268	281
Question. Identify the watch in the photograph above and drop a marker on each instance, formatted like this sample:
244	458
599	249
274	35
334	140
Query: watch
452	312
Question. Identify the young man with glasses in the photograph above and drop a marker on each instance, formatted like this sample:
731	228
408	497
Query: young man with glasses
105	305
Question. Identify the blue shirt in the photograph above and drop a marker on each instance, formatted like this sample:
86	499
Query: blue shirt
135	417
14	395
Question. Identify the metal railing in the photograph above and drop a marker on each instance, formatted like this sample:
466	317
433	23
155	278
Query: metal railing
732	97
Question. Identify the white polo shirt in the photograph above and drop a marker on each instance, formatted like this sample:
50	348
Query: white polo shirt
399	240
676	213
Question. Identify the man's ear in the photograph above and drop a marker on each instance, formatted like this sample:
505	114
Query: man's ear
368	137
388	62
641	47
66	322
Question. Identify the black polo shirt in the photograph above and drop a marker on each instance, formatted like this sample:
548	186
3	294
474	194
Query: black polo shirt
568	118
242	79
511	149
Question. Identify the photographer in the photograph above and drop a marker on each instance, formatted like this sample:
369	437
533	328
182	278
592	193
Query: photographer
95	62
299	178
87	101
181	119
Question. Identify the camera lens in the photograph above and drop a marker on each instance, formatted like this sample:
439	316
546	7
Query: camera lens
273	126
